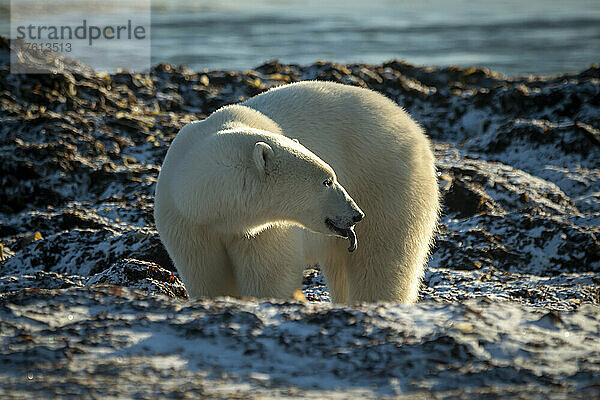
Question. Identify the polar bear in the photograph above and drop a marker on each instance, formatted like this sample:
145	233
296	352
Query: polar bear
250	196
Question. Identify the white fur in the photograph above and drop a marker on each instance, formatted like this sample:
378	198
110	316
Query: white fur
240	201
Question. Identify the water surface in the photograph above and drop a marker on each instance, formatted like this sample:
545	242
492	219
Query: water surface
512	37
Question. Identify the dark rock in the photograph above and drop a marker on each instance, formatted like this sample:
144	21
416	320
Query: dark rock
226	348
517	242
141	275
467	199
39	280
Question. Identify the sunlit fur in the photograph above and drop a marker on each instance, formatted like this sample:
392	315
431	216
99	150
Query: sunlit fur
232	230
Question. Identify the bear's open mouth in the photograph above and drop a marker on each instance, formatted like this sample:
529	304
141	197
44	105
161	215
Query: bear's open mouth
347	233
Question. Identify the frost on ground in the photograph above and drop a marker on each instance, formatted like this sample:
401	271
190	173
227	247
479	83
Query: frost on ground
510	299
112	342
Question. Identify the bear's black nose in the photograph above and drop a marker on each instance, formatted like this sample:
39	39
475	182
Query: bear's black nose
358	217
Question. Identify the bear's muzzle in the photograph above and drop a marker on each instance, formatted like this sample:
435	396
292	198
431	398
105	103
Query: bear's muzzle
345	230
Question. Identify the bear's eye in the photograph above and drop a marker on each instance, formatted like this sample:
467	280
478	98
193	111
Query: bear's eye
328	182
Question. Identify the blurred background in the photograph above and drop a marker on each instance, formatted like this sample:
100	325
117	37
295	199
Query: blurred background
511	37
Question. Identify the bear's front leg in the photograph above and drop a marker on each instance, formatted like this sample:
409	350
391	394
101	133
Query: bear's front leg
210	277
202	261
269	264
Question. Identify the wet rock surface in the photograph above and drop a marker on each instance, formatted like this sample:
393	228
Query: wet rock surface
510	299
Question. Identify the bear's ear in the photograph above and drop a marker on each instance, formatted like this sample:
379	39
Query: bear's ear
264	157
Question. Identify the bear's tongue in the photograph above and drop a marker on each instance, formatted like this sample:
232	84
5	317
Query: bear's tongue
352	238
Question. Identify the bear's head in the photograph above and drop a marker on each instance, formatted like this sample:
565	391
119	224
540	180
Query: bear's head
297	186
242	180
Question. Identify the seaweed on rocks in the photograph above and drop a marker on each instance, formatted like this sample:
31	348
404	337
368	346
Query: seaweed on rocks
122	343
519	238
141	275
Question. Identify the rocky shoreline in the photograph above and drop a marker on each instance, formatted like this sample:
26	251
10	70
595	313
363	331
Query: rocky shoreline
519	243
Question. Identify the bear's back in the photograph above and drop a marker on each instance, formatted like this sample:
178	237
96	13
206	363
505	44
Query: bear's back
344	125
324	115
